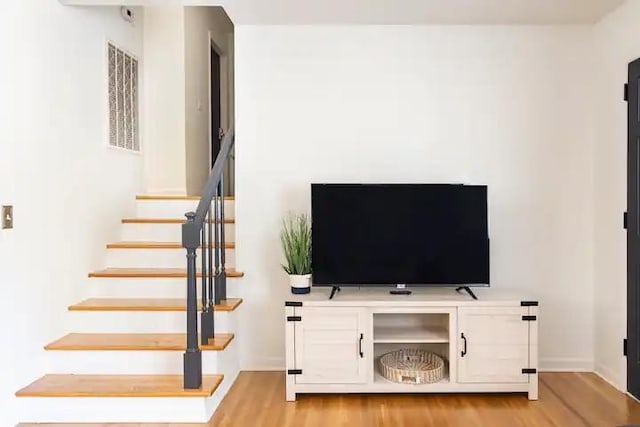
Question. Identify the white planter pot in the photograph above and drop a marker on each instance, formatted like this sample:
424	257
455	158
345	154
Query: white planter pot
300	284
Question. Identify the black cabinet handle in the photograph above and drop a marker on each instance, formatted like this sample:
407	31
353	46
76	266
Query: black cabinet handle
360	345
464	350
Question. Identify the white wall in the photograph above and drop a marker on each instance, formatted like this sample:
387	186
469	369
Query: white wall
503	106
176	129
202	24
617	44
68	188
164	125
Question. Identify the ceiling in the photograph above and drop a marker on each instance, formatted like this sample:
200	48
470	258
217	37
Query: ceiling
482	12
444	12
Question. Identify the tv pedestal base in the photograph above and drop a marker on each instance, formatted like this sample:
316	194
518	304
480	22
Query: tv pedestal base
468	290
400	292
334	290
334	346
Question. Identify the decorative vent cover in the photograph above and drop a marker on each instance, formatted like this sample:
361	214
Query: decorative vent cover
123	99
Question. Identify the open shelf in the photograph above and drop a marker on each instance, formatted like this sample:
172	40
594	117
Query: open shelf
408	328
411	334
440	348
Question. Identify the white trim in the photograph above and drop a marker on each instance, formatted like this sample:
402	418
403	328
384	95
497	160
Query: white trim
546	365
118	409
565	364
223	57
610	377
264	364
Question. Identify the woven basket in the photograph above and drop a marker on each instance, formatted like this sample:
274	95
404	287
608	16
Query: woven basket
412	366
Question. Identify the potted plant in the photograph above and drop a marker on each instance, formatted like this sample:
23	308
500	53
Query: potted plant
296	242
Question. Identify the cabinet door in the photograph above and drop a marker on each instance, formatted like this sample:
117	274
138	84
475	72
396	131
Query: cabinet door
330	345
493	345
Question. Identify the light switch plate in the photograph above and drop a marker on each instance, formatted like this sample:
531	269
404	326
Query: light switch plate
7	217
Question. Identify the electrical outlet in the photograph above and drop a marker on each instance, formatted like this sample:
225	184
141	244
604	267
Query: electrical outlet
7	217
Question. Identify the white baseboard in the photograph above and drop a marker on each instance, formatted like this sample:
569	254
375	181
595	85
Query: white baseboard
264	364
546	365
609	375
562	364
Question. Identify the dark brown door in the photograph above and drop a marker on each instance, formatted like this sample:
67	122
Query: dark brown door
216	129
633	231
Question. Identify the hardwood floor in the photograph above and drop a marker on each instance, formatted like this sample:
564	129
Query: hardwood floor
566	400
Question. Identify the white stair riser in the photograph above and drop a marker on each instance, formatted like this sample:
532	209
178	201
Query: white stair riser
102	362
144	322
118	409
229	366
156	258
163	232
89	362
145	287
136	410
174	208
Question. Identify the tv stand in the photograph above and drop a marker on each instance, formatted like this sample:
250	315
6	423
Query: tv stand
467	290
334	289
334	346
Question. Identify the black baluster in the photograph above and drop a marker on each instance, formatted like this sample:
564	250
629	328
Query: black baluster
223	248
216	207
205	318
211	306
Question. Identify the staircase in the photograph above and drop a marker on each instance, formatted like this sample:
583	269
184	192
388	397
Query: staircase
124	362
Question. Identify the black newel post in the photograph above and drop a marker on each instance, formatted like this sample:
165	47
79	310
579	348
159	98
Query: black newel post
192	356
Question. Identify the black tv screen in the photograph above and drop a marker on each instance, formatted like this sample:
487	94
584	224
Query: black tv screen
388	234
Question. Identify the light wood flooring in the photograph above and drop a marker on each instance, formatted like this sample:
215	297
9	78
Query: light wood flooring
566	399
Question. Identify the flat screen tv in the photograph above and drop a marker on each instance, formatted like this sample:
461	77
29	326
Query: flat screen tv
399	234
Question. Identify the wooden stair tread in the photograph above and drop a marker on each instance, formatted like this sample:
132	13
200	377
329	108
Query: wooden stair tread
159	273
165	221
147	304
155	245
117	386
134	342
173	197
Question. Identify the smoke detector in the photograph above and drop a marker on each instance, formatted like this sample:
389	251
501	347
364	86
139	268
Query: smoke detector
127	14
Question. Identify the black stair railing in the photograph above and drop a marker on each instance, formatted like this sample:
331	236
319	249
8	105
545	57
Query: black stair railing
204	230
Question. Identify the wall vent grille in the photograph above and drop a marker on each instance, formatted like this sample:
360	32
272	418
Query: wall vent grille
123	99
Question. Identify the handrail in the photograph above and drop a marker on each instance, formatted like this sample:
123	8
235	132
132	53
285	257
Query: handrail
197	233
215	177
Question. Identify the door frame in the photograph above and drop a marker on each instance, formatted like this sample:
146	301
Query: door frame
224	88
633	229
226	100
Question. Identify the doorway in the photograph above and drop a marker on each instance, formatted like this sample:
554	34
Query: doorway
216	107
633	231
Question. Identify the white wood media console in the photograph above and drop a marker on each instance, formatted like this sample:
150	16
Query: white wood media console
334	346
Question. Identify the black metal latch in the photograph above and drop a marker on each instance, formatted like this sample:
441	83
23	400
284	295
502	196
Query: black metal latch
529	318
293	304
294	318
